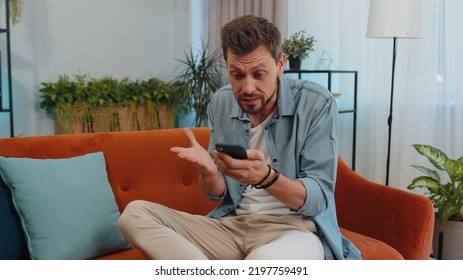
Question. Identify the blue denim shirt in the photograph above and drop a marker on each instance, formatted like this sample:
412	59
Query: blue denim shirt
302	140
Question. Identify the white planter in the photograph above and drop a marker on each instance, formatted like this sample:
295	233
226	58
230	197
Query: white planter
452	247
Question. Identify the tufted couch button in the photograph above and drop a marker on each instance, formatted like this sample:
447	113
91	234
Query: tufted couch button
124	187
186	181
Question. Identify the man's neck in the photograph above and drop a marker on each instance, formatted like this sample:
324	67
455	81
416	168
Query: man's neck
262	116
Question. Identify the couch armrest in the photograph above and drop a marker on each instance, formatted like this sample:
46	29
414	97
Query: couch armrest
399	218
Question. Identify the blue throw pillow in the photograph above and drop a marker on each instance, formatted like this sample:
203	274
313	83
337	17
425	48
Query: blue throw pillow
12	241
66	206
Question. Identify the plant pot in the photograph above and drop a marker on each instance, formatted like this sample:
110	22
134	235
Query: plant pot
75	122
97	120
447	243
132	119
69	126
122	118
166	116
294	63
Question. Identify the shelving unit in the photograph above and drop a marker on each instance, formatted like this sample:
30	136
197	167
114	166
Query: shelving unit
6	94
344	84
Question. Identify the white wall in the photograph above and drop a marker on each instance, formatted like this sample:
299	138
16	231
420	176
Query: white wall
120	38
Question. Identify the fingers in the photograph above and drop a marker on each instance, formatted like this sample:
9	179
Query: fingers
179	150
229	164
255	155
249	170
252	155
190	135
226	160
186	152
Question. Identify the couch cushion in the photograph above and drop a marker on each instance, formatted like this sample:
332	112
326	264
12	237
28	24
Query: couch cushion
66	206
12	241
372	249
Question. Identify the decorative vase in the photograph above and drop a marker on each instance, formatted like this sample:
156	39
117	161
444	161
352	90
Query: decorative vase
447	243
294	63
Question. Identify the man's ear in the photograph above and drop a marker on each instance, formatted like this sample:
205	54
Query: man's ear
281	64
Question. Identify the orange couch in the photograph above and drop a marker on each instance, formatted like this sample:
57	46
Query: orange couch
384	222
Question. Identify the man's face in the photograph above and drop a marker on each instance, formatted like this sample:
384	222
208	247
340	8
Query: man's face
253	78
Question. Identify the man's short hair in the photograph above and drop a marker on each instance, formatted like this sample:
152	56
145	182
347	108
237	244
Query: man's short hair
245	34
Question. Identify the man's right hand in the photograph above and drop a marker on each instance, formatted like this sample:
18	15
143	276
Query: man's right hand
196	154
209	179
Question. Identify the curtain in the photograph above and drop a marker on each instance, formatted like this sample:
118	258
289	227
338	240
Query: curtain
428	92
222	11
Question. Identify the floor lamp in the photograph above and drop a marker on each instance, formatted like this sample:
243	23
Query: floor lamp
394	19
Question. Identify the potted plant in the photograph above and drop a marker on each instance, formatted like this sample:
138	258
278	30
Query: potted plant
86	104
200	74
447	198
161	99
298	47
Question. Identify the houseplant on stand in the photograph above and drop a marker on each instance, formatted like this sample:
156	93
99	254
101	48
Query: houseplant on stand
447	198
297	48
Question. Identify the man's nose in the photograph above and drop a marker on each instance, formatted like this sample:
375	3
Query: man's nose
249	85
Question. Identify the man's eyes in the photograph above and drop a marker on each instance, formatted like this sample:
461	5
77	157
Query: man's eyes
257	75
237	76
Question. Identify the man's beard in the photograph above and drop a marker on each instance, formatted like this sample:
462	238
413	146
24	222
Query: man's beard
265	102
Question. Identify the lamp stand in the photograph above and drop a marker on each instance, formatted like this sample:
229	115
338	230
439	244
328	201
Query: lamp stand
389	120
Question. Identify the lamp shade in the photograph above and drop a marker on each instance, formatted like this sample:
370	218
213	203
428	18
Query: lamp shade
395	18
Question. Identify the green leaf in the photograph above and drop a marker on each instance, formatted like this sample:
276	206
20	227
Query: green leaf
431	173
447	198
425	182
454	169
434	155
447	211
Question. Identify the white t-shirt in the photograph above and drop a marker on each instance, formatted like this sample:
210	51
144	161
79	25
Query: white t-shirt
256	201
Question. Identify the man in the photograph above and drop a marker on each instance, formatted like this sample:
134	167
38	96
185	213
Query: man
278	203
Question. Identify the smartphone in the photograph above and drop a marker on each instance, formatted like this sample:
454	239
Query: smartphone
235	151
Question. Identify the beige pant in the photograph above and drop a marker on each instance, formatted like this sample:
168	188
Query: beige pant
163	233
